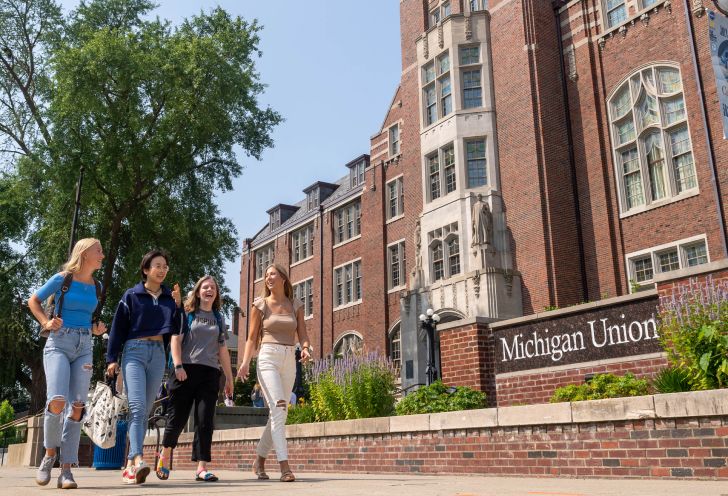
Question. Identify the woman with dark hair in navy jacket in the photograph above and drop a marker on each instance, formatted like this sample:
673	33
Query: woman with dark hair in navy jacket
146	316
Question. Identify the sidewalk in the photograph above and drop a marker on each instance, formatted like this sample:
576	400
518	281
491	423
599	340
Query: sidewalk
20	481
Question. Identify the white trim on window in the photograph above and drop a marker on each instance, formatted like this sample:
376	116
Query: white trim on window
400	272
350	282
652	148
642	265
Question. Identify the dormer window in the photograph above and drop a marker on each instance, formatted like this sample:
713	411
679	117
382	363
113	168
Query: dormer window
312	199
356	174
275	219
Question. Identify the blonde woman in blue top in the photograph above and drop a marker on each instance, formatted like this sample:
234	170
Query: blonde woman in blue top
68	357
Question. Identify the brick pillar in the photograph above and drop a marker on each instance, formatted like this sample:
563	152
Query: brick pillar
671	283
467	357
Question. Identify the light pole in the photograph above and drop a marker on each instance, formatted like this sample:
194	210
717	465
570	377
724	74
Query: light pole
429	321
76	211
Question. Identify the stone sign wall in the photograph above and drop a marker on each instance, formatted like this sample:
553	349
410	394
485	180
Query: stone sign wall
612	329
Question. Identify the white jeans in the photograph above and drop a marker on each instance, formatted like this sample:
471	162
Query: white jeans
276	375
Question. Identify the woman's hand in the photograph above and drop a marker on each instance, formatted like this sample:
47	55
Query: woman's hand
305	354
112	369
229	386
243	371
180	374
99	328
177	295
53	324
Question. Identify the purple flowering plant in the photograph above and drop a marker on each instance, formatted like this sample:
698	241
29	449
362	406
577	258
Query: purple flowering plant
355	385
693	327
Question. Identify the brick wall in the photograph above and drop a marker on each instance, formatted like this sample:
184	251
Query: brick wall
690	444
467	358
538	387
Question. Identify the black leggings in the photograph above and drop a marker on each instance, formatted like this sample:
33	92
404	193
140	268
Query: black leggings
201	388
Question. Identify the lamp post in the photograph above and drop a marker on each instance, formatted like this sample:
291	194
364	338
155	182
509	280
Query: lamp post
76	211
429	321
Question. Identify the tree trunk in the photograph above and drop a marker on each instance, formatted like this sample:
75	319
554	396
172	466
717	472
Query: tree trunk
112	253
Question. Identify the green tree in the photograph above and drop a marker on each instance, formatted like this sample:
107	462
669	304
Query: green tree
154	115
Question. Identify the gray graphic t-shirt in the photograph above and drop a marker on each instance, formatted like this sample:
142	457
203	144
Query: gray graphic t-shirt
201	345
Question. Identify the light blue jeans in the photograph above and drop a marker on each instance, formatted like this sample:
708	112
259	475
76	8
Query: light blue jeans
142	364
68	364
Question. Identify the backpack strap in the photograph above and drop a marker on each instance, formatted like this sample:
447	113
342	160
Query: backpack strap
67	280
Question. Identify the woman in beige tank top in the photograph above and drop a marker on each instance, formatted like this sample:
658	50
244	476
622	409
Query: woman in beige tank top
276	326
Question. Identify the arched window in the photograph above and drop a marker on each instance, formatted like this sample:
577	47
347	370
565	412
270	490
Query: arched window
651	143
351	342
395	345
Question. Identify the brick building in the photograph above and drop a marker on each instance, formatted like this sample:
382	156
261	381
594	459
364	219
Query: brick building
536	154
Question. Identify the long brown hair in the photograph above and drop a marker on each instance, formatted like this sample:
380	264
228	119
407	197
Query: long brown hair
192	303
287	286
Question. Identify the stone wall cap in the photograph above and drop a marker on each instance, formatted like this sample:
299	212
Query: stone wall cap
541	414
708	403
629	408
697	270
464	322
608	302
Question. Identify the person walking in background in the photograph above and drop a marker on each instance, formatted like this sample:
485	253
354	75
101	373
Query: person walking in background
146	316
68	355
257	396
197	353
276	325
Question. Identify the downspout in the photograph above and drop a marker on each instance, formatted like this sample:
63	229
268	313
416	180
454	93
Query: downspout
572	160
706	126
321	281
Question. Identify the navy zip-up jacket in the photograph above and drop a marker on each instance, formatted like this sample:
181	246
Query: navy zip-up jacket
140	315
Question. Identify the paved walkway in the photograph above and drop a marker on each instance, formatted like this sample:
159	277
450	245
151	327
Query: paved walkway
20	481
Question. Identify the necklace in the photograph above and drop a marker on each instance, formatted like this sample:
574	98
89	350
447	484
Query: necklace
153	293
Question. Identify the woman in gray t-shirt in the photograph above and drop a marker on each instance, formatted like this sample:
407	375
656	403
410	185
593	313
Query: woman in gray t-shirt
198	354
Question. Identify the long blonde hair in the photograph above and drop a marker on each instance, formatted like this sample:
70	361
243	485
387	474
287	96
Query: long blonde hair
287	286
192	303
76	261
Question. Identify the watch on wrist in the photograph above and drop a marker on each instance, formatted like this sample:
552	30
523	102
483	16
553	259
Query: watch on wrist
178	367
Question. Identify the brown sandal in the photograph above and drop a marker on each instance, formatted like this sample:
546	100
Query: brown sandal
260	473
288	476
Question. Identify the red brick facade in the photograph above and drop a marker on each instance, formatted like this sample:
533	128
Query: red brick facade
554	70
685	448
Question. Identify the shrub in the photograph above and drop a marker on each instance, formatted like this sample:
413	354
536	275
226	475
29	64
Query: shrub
672	380
602	386
353	386
439	398
7	415
693	327
302	413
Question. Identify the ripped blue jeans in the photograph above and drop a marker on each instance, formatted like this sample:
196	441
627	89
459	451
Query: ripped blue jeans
68	364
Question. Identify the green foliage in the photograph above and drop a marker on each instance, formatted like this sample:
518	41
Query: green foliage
303	413
693	328
549	308
634	286
154	114
672	380
602	386
350	387
7	414
439	398
242	390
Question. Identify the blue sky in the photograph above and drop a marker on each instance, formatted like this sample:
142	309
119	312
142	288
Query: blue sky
331	67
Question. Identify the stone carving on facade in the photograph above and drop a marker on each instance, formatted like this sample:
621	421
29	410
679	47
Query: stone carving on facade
645	18
571	62
508	278
482	229
417	273
442	296
425	47
440	35
602	42
668	6
405	300
468	26
698	8
476	283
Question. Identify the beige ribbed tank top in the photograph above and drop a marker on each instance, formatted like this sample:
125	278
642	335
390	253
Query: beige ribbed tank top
278	328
